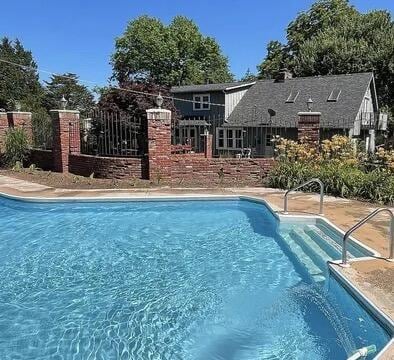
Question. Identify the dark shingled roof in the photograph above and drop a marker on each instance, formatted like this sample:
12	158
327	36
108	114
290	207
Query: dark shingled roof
252	110
209	87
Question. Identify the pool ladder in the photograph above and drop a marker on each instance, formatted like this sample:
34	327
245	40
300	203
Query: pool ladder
361	223
314	180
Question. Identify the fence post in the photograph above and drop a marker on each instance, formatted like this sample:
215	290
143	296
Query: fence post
159	144
66	137
3	129
208	146
19	119
309	127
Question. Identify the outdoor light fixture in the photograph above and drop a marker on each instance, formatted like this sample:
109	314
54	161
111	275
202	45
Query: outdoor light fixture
63	103
159	100
309	104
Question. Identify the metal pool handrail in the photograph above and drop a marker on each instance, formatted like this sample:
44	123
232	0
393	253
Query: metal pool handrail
315	180
362	222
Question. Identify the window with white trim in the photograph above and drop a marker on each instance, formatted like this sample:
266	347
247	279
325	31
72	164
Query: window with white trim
229	138
201	102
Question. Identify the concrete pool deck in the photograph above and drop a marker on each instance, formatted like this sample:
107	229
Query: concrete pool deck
374	278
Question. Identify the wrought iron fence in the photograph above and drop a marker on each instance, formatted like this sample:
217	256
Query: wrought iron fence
253	138
42	131
113	134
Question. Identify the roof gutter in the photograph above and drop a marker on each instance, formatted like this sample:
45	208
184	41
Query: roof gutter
239	86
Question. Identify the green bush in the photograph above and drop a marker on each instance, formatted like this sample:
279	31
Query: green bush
16	146
340	179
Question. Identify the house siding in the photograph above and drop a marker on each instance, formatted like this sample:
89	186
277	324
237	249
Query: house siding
186	107
232	98
367	105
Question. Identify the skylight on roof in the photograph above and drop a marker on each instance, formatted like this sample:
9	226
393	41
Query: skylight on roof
292	97
334	96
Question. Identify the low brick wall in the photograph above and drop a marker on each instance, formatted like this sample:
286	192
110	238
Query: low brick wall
107	167
202	171
43	159
185	168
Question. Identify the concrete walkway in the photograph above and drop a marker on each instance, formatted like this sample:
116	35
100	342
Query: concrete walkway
374	278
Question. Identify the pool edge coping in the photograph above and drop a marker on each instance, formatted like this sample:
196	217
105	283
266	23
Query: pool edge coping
369	305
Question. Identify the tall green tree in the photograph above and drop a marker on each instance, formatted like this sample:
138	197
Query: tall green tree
249	76
277	58
149	51
332	37
79	97
18	83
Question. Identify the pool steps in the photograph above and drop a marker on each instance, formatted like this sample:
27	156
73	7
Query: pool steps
313	246
315	272
336	239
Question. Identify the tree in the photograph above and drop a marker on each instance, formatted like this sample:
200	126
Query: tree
249	76
332	37
322	16
276	59
355	46
18	83
149	51
128	99
78	96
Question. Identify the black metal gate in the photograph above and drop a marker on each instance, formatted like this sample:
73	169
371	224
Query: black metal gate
113	134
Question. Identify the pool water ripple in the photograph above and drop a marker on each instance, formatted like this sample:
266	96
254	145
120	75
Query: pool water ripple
174	280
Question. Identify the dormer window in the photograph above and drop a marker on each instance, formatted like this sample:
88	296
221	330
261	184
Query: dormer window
201	102
292	97
334	96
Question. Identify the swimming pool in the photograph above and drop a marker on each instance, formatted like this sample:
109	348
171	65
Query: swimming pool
171	280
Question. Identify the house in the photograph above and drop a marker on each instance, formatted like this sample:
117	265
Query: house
205	105
209	100
347	103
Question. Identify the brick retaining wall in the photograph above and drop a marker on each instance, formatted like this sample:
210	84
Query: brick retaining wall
185	169
107	167
43	159
195	170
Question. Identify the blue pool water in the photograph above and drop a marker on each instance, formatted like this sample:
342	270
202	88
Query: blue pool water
169	280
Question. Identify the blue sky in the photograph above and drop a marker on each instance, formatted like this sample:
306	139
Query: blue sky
78	35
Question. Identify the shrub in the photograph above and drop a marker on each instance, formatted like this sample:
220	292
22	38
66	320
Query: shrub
296	151
16	146
339	180
339	147
343	172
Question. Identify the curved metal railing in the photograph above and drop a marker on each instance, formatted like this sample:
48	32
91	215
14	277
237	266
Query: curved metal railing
362	222
315	180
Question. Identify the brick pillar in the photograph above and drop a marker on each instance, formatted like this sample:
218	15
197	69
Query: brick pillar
159	144
208	145
18	119
309	127
66	137
3	129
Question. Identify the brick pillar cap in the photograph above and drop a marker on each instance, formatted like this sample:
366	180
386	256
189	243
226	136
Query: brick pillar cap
64	111
312	113
158	111
18	112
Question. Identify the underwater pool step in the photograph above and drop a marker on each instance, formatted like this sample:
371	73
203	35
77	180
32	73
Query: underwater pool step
328	238
319	254
326	241
316	273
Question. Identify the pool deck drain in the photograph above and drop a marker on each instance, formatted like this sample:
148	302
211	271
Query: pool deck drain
374	278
